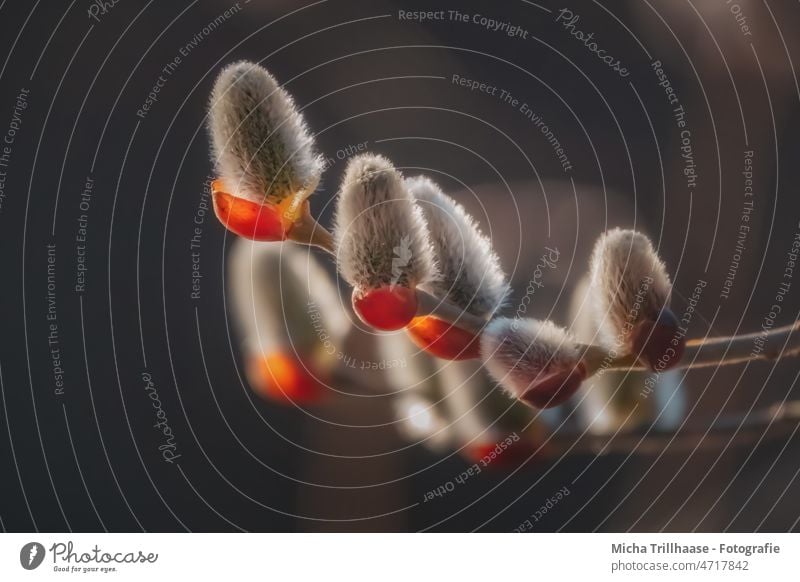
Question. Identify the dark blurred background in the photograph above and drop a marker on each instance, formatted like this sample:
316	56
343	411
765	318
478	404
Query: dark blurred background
88	458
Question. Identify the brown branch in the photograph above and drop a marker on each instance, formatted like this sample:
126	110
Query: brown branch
779	421
306	230
719	351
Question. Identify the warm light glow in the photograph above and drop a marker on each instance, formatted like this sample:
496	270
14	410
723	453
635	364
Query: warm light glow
386	308
444	340
660	343
254	221
283	378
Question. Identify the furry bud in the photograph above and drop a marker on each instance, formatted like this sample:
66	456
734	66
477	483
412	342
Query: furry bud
262	147
535	361
631	291
470	272
380	233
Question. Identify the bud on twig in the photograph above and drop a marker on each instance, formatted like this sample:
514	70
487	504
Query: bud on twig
535	361
620	400
631	290
470	274
263	152
382	243
287	314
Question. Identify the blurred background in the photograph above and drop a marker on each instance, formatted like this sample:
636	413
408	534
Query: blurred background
128	398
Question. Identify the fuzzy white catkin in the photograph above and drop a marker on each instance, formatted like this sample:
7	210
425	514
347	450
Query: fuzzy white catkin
470	272
261	145
515	352
381	236
629	284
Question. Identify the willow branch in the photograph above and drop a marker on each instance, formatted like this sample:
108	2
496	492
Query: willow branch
307	231
762	425
761	345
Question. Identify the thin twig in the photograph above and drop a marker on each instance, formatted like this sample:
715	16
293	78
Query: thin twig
778	421
718	351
